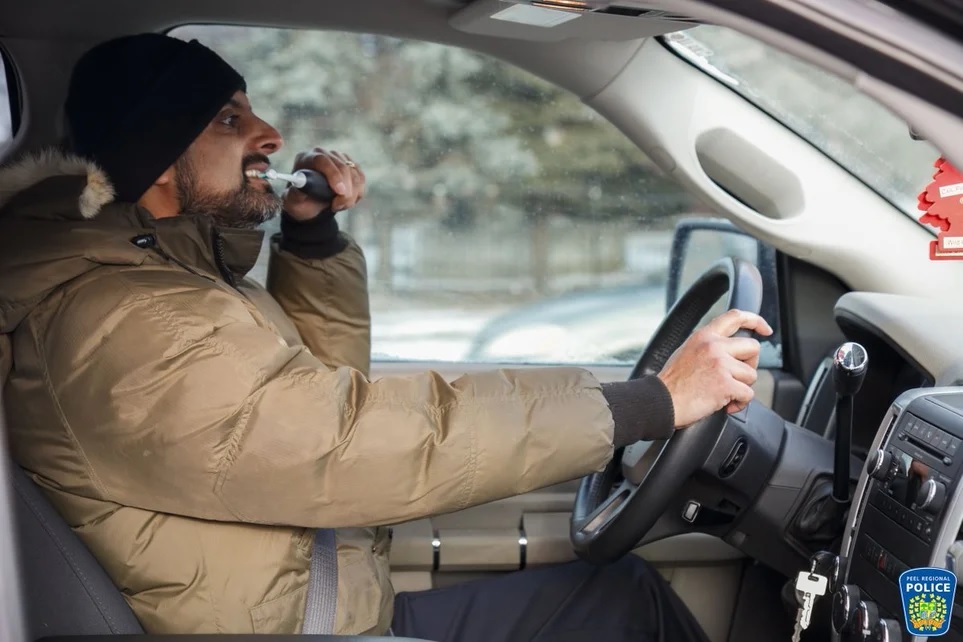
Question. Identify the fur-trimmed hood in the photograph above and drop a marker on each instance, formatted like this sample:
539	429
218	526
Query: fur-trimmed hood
36	168
59	220
52	229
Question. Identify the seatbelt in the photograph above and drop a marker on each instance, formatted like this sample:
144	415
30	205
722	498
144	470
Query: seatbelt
322	585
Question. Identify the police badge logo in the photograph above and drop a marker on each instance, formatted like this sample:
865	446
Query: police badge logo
927	600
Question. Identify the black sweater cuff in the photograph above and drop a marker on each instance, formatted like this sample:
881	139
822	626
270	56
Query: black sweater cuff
316	238
642	409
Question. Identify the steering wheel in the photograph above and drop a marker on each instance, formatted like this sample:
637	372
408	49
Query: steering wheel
614	511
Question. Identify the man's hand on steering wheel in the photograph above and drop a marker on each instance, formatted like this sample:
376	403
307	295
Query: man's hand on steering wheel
714	369
699	375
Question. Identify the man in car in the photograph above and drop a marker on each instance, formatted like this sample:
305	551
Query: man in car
202	435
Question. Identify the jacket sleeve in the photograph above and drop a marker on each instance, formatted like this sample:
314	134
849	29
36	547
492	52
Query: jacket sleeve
319	277
180	403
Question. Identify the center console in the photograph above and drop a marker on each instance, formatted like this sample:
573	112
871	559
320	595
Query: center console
906	514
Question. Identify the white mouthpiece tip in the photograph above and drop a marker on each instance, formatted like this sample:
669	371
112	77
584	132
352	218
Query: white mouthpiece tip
268	174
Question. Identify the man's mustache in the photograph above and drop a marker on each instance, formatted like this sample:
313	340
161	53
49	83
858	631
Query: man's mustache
254	159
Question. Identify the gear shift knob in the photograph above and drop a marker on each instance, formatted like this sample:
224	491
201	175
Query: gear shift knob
850	364
849	368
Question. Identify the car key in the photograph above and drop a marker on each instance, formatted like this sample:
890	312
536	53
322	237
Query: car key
830	566
812	586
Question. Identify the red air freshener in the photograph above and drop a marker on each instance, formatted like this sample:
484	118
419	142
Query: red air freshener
942	200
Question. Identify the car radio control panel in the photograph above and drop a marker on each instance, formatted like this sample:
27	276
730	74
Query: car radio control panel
906	514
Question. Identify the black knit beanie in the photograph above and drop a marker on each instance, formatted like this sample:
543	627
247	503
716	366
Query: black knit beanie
136	103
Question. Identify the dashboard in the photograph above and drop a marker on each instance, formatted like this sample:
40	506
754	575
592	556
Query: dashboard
894	365
906	514
892	374
908	506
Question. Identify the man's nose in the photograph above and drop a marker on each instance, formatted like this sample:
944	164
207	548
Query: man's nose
269	139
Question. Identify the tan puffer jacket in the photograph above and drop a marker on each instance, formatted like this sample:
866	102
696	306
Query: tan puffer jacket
194	434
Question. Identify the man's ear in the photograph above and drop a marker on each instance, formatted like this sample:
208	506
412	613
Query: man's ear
160	199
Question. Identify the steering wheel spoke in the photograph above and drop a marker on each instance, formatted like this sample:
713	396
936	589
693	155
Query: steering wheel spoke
609	509
607	524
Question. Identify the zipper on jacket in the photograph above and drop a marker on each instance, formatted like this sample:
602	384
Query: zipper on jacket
219	260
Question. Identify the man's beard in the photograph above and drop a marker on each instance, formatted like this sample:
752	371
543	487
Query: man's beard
244	208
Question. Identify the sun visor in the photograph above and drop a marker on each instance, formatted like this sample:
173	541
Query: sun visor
555	20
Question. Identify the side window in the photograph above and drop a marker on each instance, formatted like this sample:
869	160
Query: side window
505	221
6	107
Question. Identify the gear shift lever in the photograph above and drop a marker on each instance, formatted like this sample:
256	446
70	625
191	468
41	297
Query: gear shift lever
849	371
820	521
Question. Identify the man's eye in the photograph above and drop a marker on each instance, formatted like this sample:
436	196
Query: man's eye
230	121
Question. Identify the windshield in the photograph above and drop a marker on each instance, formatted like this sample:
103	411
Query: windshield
851	128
